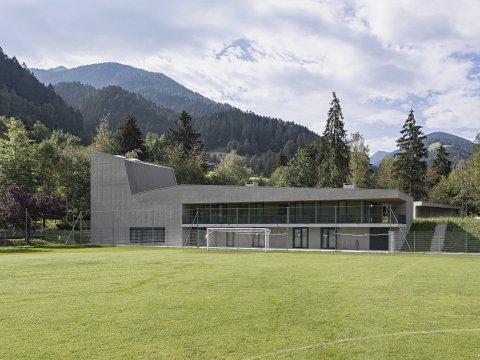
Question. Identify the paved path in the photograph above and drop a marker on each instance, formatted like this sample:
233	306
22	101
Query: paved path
438	238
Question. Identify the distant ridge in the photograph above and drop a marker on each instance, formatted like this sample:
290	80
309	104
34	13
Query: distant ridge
457	147
155	87
156	100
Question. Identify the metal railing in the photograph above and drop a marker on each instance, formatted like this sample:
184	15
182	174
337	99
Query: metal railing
296	215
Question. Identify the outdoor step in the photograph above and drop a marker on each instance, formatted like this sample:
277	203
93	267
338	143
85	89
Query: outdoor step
438	238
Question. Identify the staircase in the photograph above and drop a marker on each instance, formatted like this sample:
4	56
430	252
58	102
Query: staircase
438	238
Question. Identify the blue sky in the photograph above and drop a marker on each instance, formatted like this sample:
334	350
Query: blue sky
276	57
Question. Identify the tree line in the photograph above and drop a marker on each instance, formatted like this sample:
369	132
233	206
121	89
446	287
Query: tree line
47	173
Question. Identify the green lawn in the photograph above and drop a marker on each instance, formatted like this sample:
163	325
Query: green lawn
146	303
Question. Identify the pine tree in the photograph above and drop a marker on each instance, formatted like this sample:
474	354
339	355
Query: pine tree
410	165
333	169
282	159
184	134
185	137
130	138
441	165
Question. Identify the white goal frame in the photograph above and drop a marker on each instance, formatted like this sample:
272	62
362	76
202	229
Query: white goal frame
253	231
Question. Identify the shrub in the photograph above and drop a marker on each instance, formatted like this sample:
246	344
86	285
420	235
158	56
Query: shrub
39	242
16	242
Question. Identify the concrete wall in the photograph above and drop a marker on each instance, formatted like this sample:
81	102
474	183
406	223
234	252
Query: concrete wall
116	204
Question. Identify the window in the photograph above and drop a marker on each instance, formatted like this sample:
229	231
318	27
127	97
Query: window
329	238
300	238
147	235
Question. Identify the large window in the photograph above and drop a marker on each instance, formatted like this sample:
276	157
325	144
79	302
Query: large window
147	235
300	238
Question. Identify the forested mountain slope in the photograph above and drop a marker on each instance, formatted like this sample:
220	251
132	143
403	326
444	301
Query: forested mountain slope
156	87
24	97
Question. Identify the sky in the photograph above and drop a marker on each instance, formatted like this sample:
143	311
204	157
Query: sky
278	58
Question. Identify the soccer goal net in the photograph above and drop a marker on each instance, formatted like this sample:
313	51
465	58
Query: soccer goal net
239	238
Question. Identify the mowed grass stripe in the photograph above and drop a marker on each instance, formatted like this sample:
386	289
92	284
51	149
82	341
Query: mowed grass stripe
150	303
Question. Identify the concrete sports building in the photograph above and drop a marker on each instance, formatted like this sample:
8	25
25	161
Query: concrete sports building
136	203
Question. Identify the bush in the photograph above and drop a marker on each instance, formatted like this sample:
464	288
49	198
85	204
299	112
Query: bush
39	242
63	226
16	242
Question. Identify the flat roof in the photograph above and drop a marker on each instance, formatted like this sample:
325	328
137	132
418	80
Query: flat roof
435	205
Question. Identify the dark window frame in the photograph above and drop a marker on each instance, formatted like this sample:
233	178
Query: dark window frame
302	240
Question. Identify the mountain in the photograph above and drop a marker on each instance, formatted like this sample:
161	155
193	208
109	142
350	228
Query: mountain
245	132
457	147
117	103
74	92
155	87
249	133
377	158
24	97
222	126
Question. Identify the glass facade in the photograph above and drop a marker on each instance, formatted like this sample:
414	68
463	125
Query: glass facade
320	212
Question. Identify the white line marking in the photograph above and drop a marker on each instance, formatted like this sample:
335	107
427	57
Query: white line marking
340	341
404	269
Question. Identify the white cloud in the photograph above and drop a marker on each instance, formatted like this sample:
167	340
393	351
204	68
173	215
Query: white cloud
390	117
384	143
278	58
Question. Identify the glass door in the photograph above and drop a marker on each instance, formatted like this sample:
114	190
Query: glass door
300	238
329	238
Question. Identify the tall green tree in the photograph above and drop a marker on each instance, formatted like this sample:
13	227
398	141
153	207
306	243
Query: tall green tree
184	134
105	140
16	155
73	171
156	147
334	161
46	157
232	171
302	168
441	164
188	140
130	138
384	177
410	165
189	169
40	132
281	160
360	169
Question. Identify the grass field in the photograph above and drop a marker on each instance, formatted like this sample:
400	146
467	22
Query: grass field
147	303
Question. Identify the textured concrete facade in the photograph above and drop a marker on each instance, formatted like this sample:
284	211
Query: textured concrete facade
128	197
424	209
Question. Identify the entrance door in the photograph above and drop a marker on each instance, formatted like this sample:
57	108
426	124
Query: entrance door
300	238
329	238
